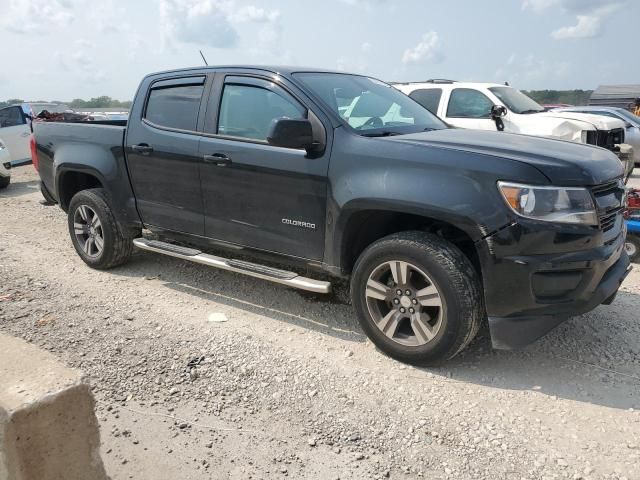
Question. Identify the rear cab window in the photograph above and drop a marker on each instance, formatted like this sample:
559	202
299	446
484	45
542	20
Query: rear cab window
175	103
11	117
429	98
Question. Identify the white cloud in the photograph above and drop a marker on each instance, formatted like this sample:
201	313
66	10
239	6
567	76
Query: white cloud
214	23
36	16
251	13
590	15
588	26
365	47
528	70
428	50
203	22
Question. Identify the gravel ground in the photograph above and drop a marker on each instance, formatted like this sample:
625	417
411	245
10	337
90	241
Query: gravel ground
203	374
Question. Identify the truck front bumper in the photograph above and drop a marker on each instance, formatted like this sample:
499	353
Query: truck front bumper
527	295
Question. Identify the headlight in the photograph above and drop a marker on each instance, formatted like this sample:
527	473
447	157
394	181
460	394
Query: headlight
550	204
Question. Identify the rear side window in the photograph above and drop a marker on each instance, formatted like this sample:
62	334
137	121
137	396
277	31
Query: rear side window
469	103
175	107
11	117
429	98
248	111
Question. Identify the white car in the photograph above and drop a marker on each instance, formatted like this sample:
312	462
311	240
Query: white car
491	106
15	129
5	166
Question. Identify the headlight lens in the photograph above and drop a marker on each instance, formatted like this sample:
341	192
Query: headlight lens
550	204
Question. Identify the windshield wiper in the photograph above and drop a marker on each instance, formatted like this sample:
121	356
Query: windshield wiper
532	110
385	133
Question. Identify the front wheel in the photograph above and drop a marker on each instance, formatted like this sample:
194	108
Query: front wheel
632	246
4	182
95	234
417	297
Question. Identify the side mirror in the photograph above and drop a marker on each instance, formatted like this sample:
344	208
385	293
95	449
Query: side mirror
498	111
290	133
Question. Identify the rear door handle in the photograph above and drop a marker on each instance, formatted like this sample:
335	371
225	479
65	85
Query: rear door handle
142	148
218	159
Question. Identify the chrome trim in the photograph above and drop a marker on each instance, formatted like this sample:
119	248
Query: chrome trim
295	280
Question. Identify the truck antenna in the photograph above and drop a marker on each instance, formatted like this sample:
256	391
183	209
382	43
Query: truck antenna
205	60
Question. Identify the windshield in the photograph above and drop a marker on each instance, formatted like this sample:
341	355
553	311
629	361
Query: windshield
630	117
371	107
515	100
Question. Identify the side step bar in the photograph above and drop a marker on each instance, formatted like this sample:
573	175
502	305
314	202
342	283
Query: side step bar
290	279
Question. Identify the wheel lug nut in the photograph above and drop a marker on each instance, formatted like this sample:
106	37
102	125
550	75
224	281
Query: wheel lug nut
396	301
399	292
402	310
408	292
414	301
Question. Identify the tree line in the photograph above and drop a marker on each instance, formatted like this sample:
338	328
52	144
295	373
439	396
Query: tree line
77	103
572	97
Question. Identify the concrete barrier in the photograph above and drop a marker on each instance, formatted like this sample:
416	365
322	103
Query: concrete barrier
48	428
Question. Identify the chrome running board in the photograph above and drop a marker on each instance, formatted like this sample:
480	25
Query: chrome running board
275	275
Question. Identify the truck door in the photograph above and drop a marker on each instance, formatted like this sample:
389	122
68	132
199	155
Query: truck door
469	108
163	157
255	194
15	132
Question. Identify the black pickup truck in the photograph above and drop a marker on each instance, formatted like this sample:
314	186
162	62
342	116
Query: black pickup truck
437	228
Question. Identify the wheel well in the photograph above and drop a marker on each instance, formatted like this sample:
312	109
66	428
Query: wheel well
73	182
367	226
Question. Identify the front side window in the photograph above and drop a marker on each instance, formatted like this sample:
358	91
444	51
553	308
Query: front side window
468	103
369	106
11	117
247	111
429	98
175	107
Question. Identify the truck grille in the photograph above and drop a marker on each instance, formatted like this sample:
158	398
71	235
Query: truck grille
609	199
606	138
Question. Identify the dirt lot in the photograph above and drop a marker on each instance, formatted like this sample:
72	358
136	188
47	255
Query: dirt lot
205	374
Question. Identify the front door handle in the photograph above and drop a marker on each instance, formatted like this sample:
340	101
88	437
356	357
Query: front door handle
218	159
142	148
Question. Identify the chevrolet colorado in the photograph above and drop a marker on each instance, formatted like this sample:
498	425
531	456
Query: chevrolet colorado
437	228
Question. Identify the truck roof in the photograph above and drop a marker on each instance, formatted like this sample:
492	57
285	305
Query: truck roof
277	69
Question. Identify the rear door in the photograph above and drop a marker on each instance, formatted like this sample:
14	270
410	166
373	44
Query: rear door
257	195
163	157
14	132
468	108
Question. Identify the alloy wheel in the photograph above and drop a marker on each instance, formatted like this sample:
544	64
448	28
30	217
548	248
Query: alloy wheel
404	303
88	231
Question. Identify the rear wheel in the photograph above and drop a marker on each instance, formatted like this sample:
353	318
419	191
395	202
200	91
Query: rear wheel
417	297
4	182
95	234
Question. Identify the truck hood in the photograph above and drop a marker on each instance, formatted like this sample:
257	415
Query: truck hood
601	122
563	163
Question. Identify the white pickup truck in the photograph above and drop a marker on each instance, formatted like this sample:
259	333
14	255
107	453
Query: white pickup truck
491	106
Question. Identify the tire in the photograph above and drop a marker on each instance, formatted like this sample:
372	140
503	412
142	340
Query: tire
4	182
437	273
114	248
632	246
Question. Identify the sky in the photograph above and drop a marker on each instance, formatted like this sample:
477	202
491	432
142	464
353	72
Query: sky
65	49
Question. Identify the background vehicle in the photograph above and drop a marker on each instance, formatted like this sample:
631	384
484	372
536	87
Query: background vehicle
15	129
632	219
472	105
632	124
5	166
343	175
